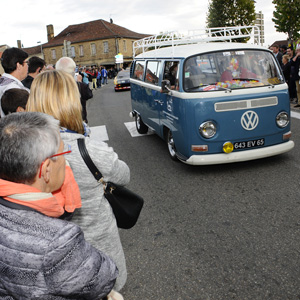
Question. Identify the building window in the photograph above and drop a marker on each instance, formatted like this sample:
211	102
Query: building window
72	51
81	50
124	46
105	47
93	49
53	54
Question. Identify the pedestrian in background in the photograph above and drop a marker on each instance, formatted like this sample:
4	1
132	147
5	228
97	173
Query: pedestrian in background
104	75
277	54
292	80
14	63
85	78
35	66
98	78
67	64
295	64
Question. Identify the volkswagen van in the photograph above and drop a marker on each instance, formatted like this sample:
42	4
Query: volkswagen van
213	102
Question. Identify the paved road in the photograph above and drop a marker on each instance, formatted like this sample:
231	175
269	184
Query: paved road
208	232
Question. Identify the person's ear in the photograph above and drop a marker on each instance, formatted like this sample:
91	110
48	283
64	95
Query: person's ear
20	109
18	66
46	170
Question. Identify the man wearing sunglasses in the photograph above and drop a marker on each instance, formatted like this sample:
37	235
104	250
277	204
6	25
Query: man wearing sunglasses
14	63
42	256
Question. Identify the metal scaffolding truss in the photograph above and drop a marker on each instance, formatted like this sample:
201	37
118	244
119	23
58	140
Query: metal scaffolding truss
216	34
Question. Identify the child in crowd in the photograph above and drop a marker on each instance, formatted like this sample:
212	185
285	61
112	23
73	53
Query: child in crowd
14	100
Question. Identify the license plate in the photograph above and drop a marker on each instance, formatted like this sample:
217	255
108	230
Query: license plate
249	144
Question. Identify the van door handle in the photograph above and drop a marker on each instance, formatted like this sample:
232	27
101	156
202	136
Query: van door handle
159	101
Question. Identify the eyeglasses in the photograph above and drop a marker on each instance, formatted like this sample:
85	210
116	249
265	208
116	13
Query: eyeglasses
67	150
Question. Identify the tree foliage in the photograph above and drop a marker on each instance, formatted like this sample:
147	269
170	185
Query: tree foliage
287	18
222	13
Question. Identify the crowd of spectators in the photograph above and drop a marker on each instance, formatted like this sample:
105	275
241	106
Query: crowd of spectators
289	60
44	184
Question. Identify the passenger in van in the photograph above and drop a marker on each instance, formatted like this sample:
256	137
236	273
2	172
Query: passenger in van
236	71
173	76
170	73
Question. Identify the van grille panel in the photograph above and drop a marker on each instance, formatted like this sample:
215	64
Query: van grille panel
245	104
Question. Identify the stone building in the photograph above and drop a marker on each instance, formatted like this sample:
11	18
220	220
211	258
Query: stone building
92	43
2	48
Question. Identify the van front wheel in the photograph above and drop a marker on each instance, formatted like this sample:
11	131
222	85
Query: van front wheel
140	125
171	145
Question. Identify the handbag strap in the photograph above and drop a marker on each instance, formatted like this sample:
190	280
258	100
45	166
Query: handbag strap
88	161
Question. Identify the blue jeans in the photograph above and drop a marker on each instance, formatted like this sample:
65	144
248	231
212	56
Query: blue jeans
104	80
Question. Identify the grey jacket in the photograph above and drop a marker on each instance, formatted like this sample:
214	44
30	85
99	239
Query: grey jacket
48	258
95	217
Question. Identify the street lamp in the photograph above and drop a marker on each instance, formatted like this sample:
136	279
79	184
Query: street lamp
39	42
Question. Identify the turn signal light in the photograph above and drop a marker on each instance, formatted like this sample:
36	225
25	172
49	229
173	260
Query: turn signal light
199	148
287	135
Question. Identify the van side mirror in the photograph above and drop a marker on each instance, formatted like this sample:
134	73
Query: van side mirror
165	86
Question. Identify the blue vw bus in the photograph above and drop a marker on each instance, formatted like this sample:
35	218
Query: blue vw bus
213	102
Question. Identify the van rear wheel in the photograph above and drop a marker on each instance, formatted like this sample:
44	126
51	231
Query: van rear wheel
140	125
171	145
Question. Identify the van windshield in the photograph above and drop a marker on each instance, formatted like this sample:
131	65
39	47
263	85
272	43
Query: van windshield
229	70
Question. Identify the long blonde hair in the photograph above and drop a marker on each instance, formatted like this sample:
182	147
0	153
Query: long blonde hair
56	93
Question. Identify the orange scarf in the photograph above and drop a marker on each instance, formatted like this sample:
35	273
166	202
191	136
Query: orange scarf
67	198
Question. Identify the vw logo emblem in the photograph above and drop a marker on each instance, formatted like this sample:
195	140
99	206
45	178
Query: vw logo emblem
249	120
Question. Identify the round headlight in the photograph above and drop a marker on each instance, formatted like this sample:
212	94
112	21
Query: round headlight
208	129
282	119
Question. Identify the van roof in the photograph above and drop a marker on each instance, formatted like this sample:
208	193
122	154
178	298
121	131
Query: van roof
184	51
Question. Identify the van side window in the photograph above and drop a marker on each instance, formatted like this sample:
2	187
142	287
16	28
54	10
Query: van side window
171	73
152	72
138	72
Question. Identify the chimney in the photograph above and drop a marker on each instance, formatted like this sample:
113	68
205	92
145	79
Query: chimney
50	32
111	20
19	44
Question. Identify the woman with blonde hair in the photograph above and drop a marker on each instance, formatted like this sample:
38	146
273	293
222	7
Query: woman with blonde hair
56	93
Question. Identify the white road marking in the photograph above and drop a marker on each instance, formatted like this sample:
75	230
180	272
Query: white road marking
295	115
132	130
99	133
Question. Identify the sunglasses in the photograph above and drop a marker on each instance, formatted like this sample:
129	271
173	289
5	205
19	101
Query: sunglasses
67	150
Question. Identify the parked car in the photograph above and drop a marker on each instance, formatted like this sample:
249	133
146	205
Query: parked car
122	81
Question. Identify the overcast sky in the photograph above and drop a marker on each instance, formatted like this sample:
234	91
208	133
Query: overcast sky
26	20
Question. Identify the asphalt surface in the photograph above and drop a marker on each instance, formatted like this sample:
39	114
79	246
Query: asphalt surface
206	232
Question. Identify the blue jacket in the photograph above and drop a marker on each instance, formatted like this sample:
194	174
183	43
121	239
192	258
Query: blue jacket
48	258
104	73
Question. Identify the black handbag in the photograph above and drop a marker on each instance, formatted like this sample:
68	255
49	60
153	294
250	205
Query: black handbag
125	204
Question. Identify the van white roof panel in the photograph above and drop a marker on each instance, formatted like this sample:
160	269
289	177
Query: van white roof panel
189	50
